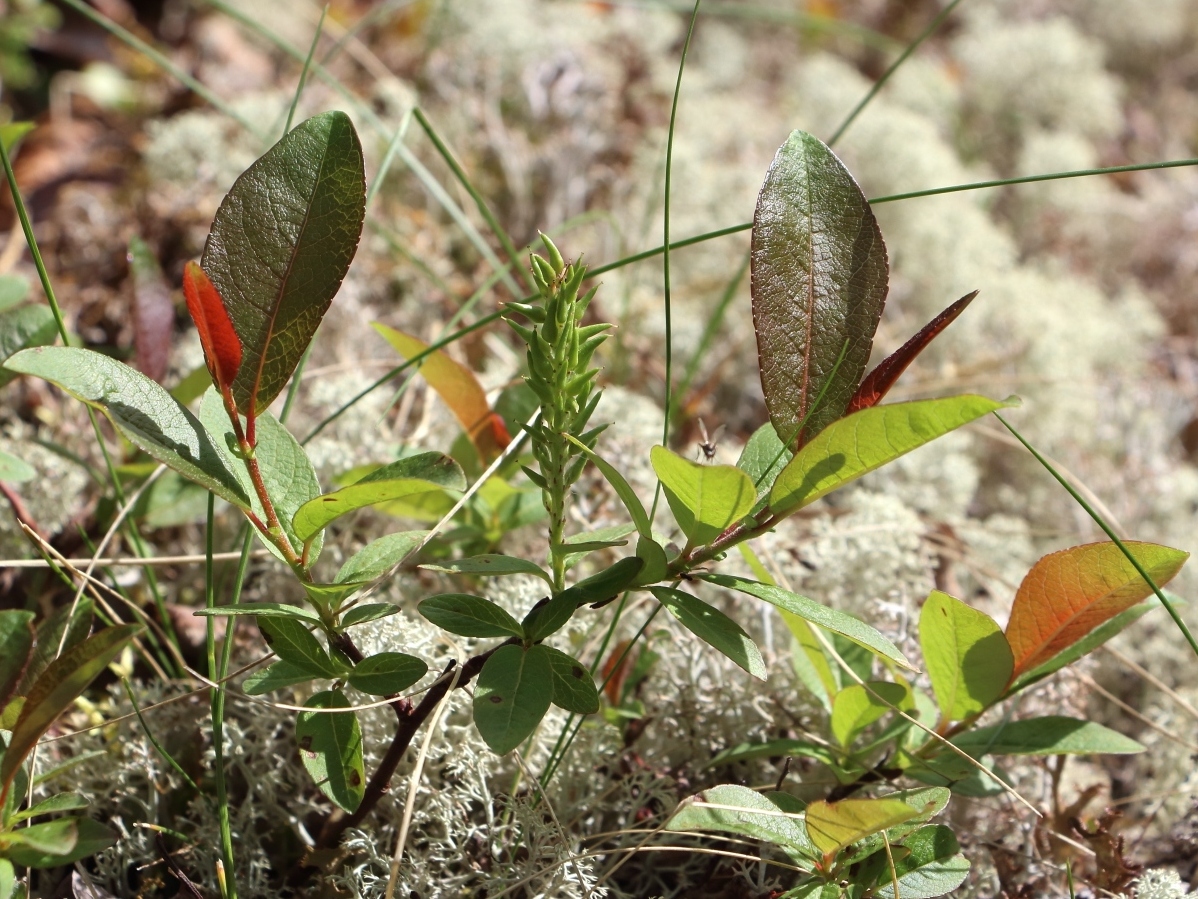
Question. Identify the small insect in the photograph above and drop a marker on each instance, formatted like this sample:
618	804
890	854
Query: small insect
708	445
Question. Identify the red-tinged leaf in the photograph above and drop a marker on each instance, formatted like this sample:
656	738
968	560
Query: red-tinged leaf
460	390
153	311
222	346
1068	594
819	280
879	381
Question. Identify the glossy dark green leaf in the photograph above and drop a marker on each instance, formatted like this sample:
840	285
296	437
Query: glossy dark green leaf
286	470
831	619
969	660
1050	735
90	837
387	673
28	325
16	648
819	281
705	499
294	643
600	587
730	808
56	688
513	694
330	746
59	802
573	687
469	616
866	440
280	245
492	565
275	677
371	611
261	610
933	866
141	410
713	627
426	473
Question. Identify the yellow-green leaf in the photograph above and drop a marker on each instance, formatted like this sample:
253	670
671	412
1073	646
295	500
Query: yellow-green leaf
705	499
834	825
967	656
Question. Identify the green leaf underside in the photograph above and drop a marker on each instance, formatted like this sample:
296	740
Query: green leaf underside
24	326
514	691
52	837
61	802
968	659
636	509
90	837
866	440
56	688
856	708
705	499
8	879
730	808
1050	735
277	676
330	746
286	470
379	556
141	410
292	642
280	245
573	687
13	288
411	476
262	610
713	627
469	616
831	619
15	470
492	565
763	458
387	673
819	280
834	825
934	866
16	645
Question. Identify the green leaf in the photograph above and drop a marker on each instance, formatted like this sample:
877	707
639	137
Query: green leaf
627	495
469	616
513	694
729	808
66	626
8	879
1050	735
90	837
13	289
14	470
713	627
277	676
656	564
16	648
819	274
763	458
261	610
745	752
52	837
330	746
24	326
428	472
866	440
834	825
967	656
705	499
856	708
294	643
830	619
573	687
286	470
280	245
60	802
141	410
379	556
63	680
61	768
601	587
387	673
492	565
809	661
932	867
579	545
371	611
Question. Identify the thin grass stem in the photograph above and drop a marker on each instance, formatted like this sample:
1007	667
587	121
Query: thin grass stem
299	87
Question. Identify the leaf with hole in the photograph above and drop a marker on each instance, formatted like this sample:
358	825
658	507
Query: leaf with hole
280	246
142	410
1050	735
428	472
292	642
968	659
330	747
713	627
1068	594
27	325
866	440
56	688
858	706
573	687
513	694
705	499
458	387
831	619
469	616
492	565
387	673
819	280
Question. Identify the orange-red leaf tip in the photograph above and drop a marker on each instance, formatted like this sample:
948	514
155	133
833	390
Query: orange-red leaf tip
222	346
